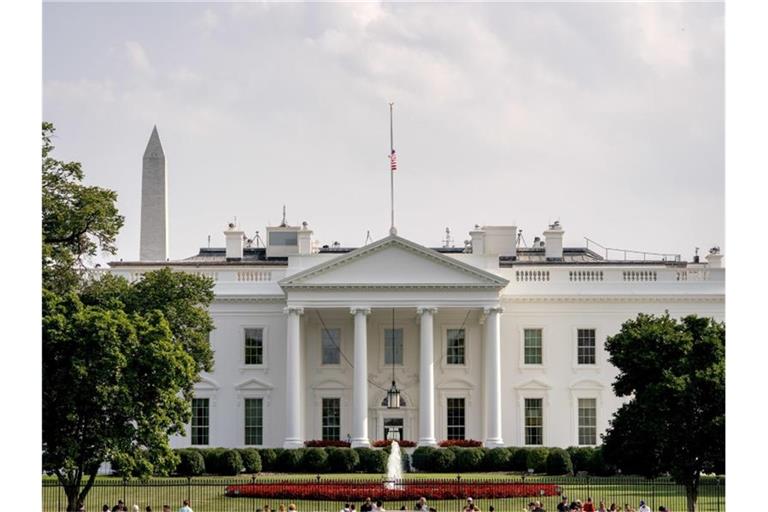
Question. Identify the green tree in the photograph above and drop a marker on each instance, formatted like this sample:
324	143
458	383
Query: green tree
674	372
77	220
119	358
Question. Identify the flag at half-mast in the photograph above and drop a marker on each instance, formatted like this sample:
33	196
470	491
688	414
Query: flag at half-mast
393	161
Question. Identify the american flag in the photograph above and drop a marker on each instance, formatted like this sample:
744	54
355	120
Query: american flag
393	161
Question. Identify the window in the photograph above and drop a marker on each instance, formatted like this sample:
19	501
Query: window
254	421
393	352
331	419
283	238
331	339
254	346
456	425
585	346
455	353
534	421
393	428
200	421
587	421
532	343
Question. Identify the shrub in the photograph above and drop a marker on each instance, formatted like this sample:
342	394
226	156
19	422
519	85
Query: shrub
381	443
371	461
598	464
443	461
225	462
314	460
469	459
342	460
537	459
289	461
497	459
559	462
251	459
422	457
519	460
268	459
581	457
211	457
191	462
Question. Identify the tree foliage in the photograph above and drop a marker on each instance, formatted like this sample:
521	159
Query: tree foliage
77	220
674	372
119	358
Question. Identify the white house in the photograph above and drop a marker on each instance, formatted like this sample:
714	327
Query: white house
493	341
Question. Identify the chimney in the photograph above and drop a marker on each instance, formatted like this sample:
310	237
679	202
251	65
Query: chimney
714	258
234	239
478	240
305	239
553	242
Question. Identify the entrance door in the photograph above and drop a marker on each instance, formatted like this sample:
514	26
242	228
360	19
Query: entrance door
393	428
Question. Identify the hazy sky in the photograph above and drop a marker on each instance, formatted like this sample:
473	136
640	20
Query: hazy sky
609	117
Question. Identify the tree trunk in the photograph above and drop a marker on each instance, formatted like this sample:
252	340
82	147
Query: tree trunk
72	492
691	495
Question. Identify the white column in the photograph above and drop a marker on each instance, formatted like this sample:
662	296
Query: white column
293	402
493	377
427	378
360	380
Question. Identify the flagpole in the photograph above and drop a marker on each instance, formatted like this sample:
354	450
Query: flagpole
392	230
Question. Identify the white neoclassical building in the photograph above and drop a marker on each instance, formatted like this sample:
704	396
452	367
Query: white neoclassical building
493	341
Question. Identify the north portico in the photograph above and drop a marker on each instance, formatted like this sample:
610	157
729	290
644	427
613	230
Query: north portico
420	285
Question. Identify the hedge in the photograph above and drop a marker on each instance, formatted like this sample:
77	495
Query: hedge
469	459
268	458
315	460
289	461
371	461
497	459
559	462
251	460
442	461
191	462
537	459
422	457
342	460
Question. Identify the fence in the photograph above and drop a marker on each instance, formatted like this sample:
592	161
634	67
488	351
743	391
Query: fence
208	494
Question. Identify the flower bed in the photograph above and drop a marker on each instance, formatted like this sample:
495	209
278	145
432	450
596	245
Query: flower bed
382	443
319	443
356	491
463	443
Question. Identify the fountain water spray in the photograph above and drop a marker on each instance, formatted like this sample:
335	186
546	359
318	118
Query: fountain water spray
394	468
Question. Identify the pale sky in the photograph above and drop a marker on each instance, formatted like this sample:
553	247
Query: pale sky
608	117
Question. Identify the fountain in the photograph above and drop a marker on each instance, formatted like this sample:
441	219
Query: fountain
394	468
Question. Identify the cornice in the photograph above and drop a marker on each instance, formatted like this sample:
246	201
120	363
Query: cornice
261	299
379	286
615	298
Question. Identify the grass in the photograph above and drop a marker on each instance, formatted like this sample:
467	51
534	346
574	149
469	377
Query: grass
206	493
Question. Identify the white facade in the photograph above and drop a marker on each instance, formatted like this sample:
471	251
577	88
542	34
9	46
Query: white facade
494	291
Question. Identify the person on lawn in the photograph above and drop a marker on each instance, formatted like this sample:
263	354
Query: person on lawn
185	507
563	505
643	507
588	506
421	505
367	506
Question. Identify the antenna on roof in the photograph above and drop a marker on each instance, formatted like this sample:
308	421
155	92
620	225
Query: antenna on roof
209	241
258	239
368	237
520	239
283	223
448	241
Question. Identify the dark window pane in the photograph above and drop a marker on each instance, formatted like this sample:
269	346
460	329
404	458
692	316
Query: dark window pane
534	421
331	341
393	351
283	238
254	346
200	421
331	419
456	423
532	347
586	346
587	421
456	346
254	421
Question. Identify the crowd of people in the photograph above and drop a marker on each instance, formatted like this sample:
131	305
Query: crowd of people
421	506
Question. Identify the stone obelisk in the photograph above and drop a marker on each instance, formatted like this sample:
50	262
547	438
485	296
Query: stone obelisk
153	244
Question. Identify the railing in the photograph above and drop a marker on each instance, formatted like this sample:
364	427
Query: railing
532	275
585	275
254	275
639	275
329	493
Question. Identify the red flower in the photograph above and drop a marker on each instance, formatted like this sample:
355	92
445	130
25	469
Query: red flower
319	443
336	490
382	443
463	443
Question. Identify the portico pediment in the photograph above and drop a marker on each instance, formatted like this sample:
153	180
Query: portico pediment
394	262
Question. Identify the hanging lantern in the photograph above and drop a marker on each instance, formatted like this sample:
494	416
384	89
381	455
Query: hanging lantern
393	397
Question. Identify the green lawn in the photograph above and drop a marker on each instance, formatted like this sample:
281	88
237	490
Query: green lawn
207	493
